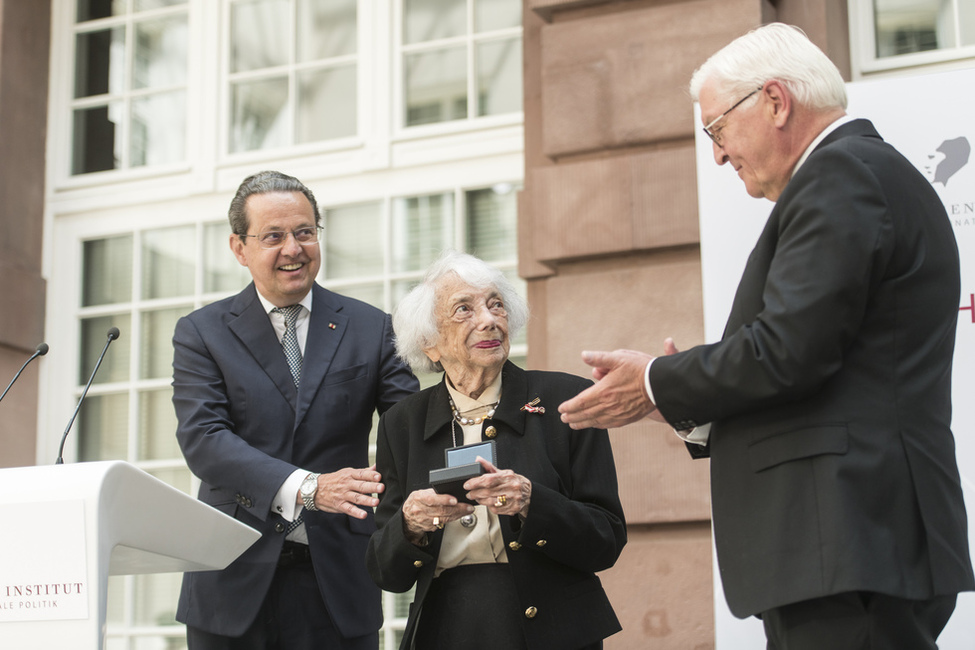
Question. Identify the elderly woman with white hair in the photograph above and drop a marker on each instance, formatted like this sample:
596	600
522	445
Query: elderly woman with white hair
509	559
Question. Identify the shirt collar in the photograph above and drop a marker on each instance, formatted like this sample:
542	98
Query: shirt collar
268	306
819	138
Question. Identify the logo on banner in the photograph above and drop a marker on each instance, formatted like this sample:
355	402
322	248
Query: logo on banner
947	160
949	171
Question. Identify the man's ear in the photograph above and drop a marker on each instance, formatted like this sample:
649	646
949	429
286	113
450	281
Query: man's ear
237	248
779	105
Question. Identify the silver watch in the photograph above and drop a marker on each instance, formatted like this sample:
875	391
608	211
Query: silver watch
308	489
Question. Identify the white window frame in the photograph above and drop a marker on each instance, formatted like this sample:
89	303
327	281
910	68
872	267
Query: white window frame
863	47
401	131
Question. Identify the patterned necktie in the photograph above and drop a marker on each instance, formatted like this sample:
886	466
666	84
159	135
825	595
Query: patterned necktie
292	352
289	342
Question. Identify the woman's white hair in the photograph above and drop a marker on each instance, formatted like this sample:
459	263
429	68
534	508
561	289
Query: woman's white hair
775	51
415	318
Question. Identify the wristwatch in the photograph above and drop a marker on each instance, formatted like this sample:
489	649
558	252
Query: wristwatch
308	489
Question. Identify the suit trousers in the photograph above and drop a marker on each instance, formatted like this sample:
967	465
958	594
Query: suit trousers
292	617
858	620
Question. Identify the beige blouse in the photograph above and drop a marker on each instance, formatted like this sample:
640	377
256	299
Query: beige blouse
482	543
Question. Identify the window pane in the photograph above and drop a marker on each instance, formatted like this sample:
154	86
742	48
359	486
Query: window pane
177	642
436	86
260	115
160	53
326	104
99	62
492	215
422	227
496	14
369	293
158	129
103	426
966	22
402	607
221	271
94	335
116	600
94	9
259	34
353	246
326	28
522	288
499	77
155	599
107	271
168	262
143	5
96	138
400	288
157	342
905	26
427	20
178	477
157	426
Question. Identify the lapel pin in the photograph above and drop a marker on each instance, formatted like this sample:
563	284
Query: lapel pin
532	406
331	326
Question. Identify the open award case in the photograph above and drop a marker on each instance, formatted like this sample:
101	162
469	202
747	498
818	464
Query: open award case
460	465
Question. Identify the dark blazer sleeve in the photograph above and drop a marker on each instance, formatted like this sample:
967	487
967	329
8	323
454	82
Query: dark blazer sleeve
801	301
211	443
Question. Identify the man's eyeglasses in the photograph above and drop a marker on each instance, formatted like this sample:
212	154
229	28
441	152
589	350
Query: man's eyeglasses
716	135
276	238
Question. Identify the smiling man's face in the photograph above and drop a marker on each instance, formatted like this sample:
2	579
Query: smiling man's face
282	275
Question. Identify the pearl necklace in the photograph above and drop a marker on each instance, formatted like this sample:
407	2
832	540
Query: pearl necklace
468	421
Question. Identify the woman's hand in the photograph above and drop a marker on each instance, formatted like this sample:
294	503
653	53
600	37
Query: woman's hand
501	490
426	511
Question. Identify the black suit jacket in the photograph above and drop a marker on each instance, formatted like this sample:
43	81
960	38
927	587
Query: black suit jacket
244	428
832	461
575	524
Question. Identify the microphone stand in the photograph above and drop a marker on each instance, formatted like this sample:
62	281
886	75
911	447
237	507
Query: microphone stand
41	351
113	334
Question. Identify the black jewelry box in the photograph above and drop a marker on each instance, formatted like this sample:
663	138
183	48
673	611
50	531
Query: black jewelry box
460	467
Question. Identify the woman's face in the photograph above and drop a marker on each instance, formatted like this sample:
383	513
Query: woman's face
473	328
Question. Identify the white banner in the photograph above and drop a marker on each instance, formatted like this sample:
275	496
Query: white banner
928	119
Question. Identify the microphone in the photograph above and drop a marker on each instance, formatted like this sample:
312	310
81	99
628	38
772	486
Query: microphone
41	351
113	334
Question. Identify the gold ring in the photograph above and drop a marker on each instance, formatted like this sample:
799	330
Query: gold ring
436	522
502	500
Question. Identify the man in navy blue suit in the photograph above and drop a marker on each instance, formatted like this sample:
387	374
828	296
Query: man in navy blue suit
275	390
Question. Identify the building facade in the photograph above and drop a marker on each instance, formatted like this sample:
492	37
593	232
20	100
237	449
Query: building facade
554	138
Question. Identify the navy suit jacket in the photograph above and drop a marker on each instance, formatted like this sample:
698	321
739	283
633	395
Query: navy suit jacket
832	459
244	428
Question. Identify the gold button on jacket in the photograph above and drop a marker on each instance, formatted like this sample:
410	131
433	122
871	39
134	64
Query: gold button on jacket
490	432
530	612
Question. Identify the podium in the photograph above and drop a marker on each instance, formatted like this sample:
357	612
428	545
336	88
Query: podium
67	528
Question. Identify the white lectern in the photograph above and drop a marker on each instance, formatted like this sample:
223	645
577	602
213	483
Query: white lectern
66	528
